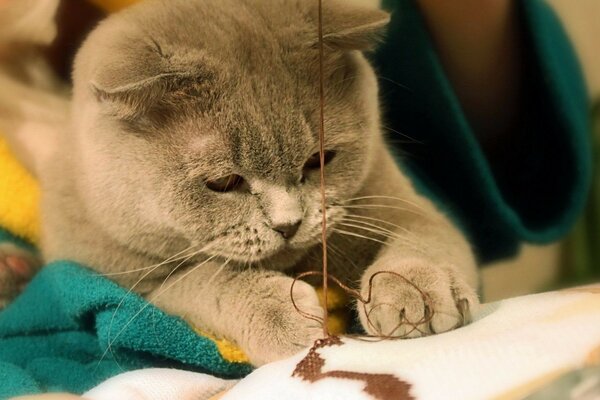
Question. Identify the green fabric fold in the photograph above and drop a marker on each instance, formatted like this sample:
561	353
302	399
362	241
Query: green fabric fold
56	335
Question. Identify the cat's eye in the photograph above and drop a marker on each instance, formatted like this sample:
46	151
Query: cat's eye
314	161
225	184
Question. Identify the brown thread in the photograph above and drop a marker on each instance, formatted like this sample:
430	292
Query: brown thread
381	386
322	164
354	293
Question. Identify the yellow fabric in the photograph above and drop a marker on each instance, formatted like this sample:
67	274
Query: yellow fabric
337	302
336	298
229	351
19	197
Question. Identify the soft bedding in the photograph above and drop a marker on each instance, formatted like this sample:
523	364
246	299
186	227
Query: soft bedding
55	337
546	346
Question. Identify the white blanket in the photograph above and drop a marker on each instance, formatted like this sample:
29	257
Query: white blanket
513	348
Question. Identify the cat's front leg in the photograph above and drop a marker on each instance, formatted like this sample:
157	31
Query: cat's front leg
424	279
252	308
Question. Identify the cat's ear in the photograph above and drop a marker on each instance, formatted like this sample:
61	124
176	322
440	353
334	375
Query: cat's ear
133	81
351	26
130	100
135	99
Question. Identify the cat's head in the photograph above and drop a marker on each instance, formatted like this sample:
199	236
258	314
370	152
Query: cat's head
199	119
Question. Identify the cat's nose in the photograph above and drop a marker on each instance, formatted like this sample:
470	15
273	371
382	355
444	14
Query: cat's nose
287	230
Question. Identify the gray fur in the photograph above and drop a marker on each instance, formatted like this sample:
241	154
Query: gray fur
168	94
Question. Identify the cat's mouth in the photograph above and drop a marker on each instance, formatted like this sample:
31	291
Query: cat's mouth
265	247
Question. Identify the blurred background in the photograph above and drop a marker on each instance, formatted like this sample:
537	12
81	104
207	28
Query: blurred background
575	260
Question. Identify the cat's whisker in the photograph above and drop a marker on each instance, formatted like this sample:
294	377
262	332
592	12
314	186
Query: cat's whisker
403	200
348	233
359	219
339	252
221	268
186	275
385	206
392	236
207	247
385	243
151	269
110	325
362	217
174	257
178	266
395	237
408	89
383	231
411	139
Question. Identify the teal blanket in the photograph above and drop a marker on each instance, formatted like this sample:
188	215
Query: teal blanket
56	335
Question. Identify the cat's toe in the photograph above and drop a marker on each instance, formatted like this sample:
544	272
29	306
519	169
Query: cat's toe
465	297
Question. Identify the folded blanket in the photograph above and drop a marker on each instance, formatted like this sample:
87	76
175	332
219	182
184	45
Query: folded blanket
72	329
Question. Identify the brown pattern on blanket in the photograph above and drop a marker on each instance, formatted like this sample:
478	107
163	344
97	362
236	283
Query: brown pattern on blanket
380	386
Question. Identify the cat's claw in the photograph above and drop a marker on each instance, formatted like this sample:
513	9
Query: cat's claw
439	301
17	267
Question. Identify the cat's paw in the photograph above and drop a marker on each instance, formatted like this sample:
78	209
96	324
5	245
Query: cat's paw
422	299
277	330
17	266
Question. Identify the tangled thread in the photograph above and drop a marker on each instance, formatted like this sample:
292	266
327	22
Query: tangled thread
364	302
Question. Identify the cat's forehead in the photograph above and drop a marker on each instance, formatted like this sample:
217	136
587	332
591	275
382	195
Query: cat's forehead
268	147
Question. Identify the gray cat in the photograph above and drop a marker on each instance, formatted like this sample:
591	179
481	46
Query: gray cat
190	173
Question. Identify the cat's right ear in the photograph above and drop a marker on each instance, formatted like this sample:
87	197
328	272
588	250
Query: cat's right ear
134	99
133	80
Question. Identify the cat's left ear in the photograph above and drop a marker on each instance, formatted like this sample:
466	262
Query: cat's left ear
348	25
